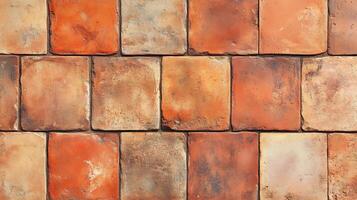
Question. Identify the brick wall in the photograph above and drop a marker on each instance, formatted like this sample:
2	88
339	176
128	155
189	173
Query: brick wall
178	99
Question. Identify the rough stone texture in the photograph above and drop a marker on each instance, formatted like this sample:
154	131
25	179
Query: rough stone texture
22	166
83	166
126	93
223	26
153	27
293	27
342	166
84	27
196	93
153	166
342	30
223	166
9	90
329	94
55	93
293	166
23	26
266	93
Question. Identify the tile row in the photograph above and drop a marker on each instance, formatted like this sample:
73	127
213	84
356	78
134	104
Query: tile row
137	27
172	166
178	93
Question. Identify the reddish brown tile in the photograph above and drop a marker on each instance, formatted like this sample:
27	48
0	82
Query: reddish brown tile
223	26
83	166
266	93
223	166
55	93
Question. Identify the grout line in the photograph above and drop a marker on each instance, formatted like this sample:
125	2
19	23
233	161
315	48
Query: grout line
300	97
120	41
90	95
160	95
187	163
259	170
258	21
327	167
231	94
47	135
19	103
187	53
119	165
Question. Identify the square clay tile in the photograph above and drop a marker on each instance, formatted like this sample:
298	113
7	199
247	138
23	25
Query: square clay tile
342	30
329	94
293	27
55	93
22	166
153	166
342	166
83	166
153	27
9	92
223	26
84	26
266	93
223	166
23	27
196	93
293	166
126	93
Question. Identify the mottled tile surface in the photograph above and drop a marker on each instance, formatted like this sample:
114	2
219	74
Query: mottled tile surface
293	166
223	26
293	27
83	166
196	93
329	93
266	93
342	166
126	93
23	26
153	166
342	30
84	27
55	93
22	166
154	26
223	166
9	91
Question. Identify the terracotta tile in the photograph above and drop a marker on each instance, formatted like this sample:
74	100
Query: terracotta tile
153	166
293	166
293	27
9	91
22	166
83	166
23	27
266	93
153	27
223	26
329	94
196	93
223	166
342	166
126	93
342	30
55	93
84	27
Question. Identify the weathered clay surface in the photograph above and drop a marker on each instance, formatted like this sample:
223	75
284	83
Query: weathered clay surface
329	94
126	93
293	166
9	89
223	26
196	93
153	166
22	166
23	28
55	93
83	166
153	27
84	27
342	166
293	27
266	93
223	166
342	30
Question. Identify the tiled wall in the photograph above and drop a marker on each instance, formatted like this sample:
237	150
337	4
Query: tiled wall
178	99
